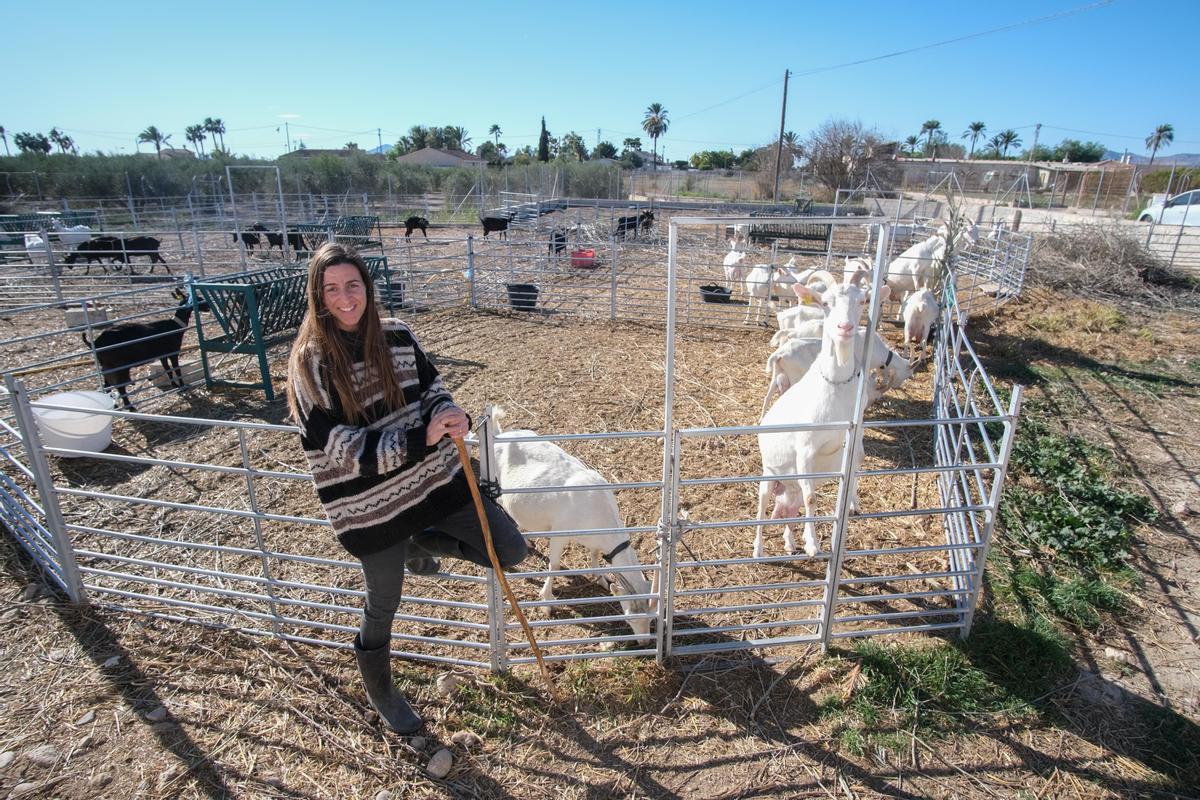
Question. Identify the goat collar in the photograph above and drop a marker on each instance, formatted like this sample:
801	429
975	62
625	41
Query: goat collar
616	551
891	355
829	380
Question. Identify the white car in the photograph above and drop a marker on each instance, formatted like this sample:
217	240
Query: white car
1182	209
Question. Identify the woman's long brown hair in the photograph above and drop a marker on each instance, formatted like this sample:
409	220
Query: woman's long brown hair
319	335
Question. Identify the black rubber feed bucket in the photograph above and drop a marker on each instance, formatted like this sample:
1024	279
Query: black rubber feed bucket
522	296
712	293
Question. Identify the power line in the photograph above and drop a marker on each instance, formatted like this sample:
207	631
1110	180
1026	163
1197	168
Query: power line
730	100
1115	135
967	37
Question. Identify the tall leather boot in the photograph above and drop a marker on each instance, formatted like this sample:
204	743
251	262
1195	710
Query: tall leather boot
376	669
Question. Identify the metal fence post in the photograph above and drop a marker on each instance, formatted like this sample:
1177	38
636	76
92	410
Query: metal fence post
264	561
670	531
32	441
851	443
1014	410
612	288
199	252
51	265
178	230
471	270
497	640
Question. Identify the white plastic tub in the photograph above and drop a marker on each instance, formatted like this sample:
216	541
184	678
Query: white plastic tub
96	317
80	428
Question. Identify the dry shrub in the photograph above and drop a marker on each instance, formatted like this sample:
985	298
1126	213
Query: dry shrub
1107	261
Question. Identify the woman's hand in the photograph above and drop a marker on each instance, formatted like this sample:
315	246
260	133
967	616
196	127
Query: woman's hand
450	421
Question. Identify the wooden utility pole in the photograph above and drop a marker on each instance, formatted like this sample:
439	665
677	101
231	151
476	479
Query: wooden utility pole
779	146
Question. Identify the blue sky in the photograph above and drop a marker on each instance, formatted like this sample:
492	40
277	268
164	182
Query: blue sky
336	72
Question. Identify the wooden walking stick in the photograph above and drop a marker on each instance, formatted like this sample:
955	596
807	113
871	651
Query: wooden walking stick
491	549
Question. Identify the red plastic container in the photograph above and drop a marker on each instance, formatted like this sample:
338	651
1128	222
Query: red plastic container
584	258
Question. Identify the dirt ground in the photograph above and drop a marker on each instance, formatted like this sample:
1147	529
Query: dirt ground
140	708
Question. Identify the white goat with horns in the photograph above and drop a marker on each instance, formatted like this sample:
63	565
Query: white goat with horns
826	394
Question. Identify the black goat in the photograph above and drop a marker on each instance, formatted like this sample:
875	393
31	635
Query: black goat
625	225
295	241
121	347
558	241
142	246
95	251
413	223
249	237
495	224
645	220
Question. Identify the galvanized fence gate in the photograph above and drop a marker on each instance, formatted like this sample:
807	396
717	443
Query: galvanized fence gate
250	566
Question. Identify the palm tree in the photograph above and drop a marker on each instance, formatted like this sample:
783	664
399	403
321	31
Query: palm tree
1004	140
209	126
1163	135
927	129
59	138
217	128
495	131
792	142
196	135
418	137
655	124
973	132
456	137
912	143
154	136
5	138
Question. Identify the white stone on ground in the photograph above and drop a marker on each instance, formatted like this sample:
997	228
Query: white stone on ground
439	766
43	755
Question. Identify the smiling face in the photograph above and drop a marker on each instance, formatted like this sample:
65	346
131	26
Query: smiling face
344	295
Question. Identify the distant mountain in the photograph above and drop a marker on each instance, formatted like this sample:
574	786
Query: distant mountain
1163	158
381	151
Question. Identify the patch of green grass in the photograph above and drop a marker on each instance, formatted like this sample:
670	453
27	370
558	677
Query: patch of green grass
1084	317
1060	499
619	684
944	688
1039	587
488	712
1026	660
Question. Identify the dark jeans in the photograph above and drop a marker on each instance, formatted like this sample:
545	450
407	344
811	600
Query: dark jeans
459	535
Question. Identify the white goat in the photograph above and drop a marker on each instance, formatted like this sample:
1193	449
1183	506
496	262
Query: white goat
796	354
523	465
920	311
741	233
916	268
733	268
826	394
72	236
763	280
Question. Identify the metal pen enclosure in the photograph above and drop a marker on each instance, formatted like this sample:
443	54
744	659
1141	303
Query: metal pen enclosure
239	565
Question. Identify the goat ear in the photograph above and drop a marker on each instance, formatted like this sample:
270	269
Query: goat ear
885	292
805	294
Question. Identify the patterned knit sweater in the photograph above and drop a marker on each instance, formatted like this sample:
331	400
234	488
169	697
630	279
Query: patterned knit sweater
378	481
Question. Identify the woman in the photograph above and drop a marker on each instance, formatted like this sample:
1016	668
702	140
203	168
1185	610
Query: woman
376	425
